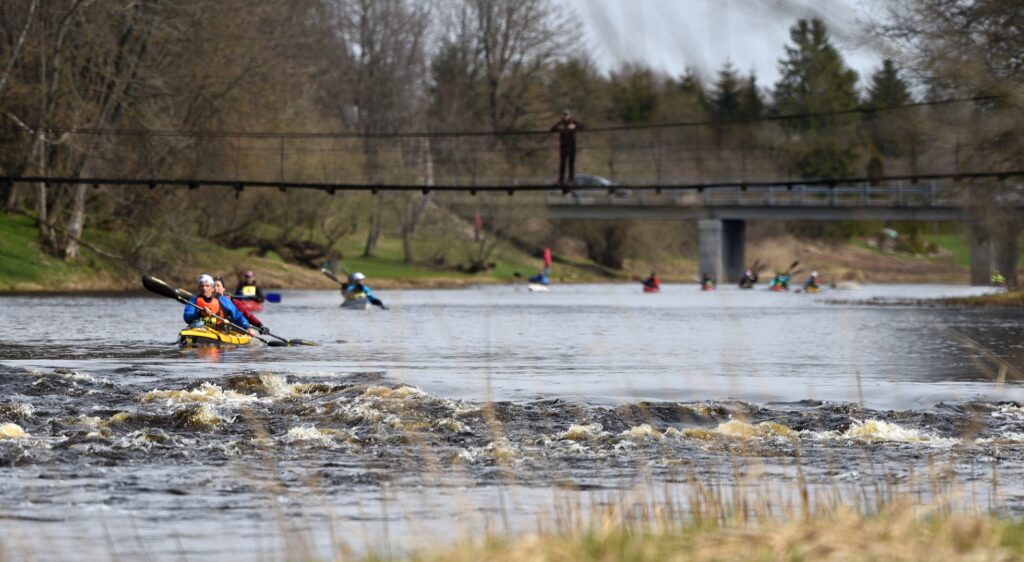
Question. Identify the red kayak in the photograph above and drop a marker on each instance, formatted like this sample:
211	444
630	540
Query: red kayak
250	305
778	288
652	289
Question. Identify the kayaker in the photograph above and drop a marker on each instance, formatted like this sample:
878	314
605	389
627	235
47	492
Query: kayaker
248	289
207	304
652	282
813	282
357	289
748	280
706	282
540	279
220	290
781	280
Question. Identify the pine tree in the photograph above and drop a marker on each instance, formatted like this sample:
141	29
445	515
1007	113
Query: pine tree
726	97
751	102
892	132
816	80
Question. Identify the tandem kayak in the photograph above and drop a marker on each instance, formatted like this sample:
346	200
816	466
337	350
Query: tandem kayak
204	336
249	305
356	304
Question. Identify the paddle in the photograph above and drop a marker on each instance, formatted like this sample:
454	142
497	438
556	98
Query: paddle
273	297
161	288
330	275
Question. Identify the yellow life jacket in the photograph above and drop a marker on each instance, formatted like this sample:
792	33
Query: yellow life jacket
249	291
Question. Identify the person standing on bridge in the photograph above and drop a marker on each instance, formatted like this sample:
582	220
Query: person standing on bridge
566	129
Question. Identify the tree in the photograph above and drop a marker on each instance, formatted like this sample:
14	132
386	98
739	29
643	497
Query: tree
893	133
957	47
726	103
634	95
816	80
387	39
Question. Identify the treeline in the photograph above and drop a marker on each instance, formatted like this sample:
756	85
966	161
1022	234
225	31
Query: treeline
217	90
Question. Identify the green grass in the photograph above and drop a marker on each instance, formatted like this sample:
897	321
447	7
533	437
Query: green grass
24	265
389	264
955	244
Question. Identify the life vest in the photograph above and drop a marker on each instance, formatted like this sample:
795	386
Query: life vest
355	291
213	307
249	290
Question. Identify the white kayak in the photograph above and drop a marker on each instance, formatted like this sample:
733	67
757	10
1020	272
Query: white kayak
356	304
538	288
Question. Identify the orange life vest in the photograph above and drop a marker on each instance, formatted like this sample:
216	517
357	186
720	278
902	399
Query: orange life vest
212	306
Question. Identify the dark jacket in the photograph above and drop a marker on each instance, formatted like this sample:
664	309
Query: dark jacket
567	134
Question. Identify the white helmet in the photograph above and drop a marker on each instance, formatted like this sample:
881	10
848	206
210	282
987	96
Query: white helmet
358	276
814	274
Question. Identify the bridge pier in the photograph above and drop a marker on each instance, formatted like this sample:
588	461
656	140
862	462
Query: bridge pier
983	254
721	248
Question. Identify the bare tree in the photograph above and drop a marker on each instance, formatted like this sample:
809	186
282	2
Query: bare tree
960	47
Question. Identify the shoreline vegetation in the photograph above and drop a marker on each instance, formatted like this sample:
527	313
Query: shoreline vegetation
895	534
25	267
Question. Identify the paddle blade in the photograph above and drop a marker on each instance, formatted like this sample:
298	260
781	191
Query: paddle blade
275	343
302	342
273	297
154	285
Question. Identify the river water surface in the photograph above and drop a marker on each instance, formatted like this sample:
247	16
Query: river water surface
458	410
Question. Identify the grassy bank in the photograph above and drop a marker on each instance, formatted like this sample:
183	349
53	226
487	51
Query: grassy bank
26	266
893	535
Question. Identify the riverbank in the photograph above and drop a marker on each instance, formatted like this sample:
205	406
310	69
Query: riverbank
25	267
1009	299
896	534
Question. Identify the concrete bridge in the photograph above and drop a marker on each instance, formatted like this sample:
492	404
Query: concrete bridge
721	213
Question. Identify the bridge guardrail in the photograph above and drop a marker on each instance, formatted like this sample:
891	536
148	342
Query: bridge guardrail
924	194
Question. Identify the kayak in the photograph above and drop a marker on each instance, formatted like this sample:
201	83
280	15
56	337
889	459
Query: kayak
202	336
707	287
778	288
356	304
538	288
652	289
249	305
812	290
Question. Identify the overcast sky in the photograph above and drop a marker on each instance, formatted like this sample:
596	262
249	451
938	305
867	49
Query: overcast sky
671	35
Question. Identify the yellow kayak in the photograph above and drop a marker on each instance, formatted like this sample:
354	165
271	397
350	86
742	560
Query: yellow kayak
194	337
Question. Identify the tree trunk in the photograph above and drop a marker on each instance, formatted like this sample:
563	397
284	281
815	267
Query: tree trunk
374	235
13	197
75	224
45	232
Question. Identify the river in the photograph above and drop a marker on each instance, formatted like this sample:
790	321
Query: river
458	410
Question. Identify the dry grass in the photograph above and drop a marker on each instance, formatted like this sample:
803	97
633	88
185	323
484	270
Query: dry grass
1010	299
900	532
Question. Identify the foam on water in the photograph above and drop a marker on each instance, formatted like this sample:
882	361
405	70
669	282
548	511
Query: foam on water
874	430
582	432
642	431
206	392
11	431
